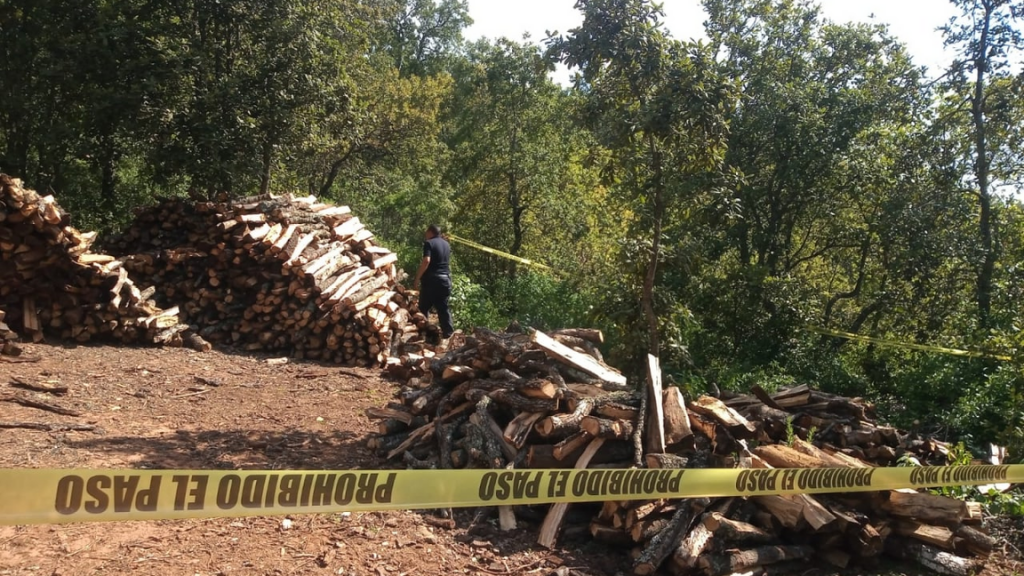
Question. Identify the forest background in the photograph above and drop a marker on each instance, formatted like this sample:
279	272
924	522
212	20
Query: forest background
706	201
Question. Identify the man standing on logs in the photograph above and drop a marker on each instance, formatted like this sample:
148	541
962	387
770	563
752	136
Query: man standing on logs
436	279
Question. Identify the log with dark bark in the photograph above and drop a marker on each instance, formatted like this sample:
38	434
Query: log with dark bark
667	541
738	561
935	560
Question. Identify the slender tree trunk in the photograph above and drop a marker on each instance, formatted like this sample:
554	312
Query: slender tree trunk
985	272
108	170
268	158
647	298
332	175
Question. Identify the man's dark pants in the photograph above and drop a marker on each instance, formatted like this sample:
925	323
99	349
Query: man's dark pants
434	294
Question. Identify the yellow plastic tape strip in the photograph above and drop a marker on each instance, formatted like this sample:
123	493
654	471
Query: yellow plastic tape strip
910	346
61	496
501	254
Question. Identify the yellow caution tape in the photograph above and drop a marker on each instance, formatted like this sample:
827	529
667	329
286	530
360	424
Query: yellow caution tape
501	254
908	345
61	496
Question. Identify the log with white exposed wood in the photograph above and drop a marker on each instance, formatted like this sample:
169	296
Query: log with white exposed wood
926	507
677	421
734	532
553	521
689	551
588	334
938	536
578	361
733	421
738	561
655	432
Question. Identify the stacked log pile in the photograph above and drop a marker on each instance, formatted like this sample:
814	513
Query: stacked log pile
274	274
51	283
548	401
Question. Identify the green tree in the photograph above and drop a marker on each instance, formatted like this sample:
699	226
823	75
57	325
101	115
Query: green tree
659	106
986	38
423	36
830	139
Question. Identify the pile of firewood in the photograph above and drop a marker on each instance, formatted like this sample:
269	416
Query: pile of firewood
548	401
274	274
50	283
7	338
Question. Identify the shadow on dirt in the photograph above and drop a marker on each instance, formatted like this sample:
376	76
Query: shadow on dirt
238	449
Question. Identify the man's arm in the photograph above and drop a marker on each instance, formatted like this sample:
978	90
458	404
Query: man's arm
423	268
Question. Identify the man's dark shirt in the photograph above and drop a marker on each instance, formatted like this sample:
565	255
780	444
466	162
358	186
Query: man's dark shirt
439	252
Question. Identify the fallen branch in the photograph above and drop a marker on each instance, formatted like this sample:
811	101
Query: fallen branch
56	390
29	403
48	427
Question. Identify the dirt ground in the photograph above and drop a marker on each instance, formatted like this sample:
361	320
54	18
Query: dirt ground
153	411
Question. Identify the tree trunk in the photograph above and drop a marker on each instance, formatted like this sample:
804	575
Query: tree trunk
268	157
984	285
647	299
108	185
332	175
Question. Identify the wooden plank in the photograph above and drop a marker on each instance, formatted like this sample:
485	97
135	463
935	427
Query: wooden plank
656	410
553	521
575	359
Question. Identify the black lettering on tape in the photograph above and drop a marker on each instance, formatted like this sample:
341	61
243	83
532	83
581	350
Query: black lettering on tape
96	487
270	493
322	488
579	484
650	482
288	495
504	491
69	495
636	483
227	491
124	492
307	488
487	486
741	480
615	481
366	483
345	490
385	492
190	499
254	489
146	500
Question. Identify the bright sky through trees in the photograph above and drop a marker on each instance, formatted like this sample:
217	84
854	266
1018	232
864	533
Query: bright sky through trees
914	22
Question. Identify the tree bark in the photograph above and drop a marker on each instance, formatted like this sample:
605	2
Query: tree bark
981	65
